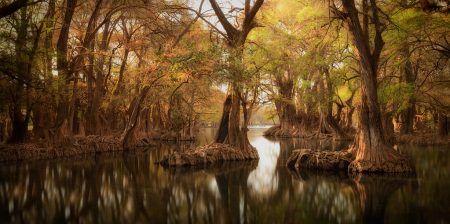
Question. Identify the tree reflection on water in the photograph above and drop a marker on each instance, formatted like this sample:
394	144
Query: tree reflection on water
131	188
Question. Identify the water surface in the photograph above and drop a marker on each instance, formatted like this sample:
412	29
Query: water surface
130	188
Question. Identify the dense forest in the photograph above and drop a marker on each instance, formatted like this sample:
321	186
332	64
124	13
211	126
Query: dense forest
126	73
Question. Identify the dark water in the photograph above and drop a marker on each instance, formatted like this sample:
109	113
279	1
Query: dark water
130	188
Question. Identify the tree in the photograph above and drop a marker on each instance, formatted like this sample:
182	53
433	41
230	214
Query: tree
62	66
372	152
230	131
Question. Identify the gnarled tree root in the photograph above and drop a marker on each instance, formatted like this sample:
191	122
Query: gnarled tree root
389	161
209	154
67	147
277	131
325	160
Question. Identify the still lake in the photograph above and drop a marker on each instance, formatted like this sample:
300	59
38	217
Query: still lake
130	188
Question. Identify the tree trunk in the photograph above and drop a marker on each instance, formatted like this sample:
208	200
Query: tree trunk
18	118
372	152
236	38
289	120
113	113
234	135
128	135
222	132
388	127
443	124
64	75
91	123
327	123
407	116
230	132
96	94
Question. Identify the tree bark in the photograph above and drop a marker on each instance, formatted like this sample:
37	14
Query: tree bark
231	132
222	131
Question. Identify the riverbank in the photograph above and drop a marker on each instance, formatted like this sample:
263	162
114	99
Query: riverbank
81	145
67	148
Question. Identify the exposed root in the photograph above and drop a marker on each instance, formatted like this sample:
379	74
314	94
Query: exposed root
67	147
277	131
209	154
325	160
387	161
172	136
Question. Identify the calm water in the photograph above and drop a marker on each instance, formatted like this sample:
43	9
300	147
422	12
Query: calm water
130	188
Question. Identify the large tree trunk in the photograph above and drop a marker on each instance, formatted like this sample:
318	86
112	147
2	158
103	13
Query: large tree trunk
372	152
236	133
230	132
290	120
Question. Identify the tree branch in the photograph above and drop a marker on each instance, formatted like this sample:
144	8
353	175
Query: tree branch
230	29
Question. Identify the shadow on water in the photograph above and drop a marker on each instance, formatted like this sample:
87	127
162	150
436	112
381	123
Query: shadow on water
130	188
